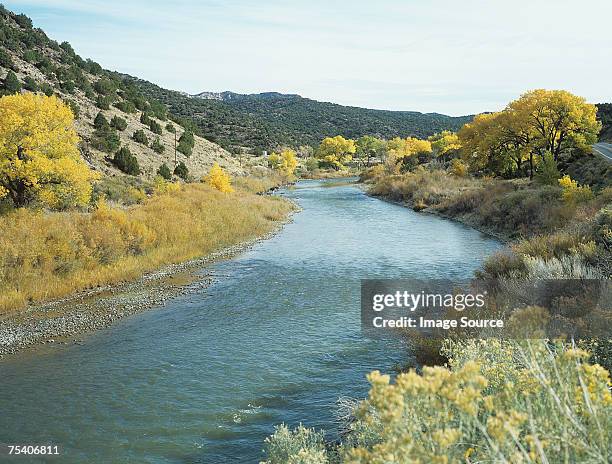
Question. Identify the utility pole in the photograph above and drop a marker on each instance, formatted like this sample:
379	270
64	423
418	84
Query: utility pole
175	148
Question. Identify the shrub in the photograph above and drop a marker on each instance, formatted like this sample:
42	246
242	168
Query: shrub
104	86
126	106
5	59
155	127
126	162
30	84
74	107
11	84
100	122
181	171
574	193
103	102
145	119
140	137
164	171
219	179
47	89
118	123
105	140
497	401
170	127
157	146
458	168
547	172
299	446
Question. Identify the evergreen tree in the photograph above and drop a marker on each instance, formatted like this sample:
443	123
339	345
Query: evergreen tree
100	122
126	161
181	171
164	171
118	123
157	146
11	84
140	137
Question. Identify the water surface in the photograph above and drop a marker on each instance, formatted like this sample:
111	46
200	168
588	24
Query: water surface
275	339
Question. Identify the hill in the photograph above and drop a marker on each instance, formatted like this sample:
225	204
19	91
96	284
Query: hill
266	121
31	61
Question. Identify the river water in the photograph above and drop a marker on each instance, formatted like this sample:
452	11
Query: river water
275	339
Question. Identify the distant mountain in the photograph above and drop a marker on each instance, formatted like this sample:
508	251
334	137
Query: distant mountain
268	120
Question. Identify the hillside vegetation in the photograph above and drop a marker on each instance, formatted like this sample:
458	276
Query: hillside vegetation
268	121
111	114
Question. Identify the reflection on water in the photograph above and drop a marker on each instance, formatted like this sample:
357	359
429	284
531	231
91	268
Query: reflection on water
277	339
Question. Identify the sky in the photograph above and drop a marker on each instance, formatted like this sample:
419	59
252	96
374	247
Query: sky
448	56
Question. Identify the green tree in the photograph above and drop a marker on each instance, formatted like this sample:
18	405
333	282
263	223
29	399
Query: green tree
118	123
164	171
145	119
367	148
100	122
6	60
140	137
155	127
30	84
157	146
11	84
126	161
181	171
170	127
547	172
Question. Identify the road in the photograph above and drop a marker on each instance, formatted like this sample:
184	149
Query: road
604	149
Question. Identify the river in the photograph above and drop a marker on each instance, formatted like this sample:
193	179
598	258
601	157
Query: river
276	338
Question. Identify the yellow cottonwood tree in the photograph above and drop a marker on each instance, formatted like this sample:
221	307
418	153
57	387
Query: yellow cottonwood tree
219	179
39	157
336	151
285	162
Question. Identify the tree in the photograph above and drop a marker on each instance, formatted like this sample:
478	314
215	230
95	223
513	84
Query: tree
145	119
369	147
140	137
11	84
100	122
39	157
6	60
547	172
336	151
181	171
285	162
155	127
444	142
126	161
539	122
186	143
219	179
157	146
164	171
30	84
170	127
118	123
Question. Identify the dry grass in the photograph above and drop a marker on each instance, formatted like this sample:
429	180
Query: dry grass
50	255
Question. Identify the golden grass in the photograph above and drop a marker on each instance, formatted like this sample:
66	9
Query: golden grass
49	255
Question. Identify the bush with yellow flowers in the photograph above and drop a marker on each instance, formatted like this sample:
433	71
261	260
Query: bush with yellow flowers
496	401
574	193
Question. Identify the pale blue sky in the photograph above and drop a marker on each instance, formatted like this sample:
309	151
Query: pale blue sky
447	56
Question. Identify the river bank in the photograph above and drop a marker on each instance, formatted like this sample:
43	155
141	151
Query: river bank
67	320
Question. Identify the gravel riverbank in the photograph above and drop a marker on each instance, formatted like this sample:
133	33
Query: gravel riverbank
67	320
